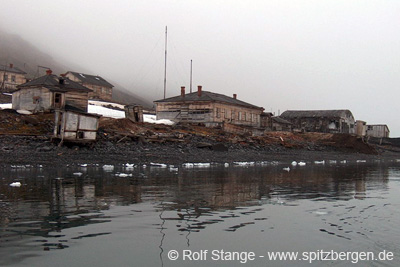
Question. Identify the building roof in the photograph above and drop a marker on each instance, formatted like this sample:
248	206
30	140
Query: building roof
208	97
280	120
52	82
13	69
337	113
91	79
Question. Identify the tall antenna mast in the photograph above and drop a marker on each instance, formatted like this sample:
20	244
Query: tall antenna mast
191	72
165	66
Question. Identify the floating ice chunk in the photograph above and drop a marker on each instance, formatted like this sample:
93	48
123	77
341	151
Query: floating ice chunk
321	212
361	161
294	163
77	173
173	168
319	162
286	169
144	166
15	184
160	165
84	165
129	165
202	165
302	163
343	161
108	168
244	163
226	165
188	165
332	162
123	174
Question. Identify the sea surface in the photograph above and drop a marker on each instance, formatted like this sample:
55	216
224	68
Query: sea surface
331	213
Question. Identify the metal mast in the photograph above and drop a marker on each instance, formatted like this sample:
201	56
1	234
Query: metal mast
165	66
191	72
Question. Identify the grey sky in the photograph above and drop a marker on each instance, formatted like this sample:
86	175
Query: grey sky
279	54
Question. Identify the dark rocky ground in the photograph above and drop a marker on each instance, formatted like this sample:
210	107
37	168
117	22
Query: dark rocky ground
40	150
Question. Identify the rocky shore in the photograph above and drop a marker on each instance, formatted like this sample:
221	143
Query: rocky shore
27	140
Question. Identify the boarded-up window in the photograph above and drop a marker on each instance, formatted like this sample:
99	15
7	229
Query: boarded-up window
218	113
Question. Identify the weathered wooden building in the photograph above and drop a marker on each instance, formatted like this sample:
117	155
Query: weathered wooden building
378	130
75	126
209	108
11	77
50	92
279	124
134	112
361	128
101	89
266	121
325	121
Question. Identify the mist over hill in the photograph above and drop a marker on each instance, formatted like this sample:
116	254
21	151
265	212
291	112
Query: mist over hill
20	52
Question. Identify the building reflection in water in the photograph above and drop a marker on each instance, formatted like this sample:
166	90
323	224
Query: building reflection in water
55	199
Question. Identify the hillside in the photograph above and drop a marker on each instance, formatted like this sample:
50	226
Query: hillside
14	49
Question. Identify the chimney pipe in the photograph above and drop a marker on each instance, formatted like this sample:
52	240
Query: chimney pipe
182	91
49	72
199	90
234	96
11	65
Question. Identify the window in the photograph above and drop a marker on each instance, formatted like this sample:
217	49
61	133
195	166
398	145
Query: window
225	113
239	115
218	113
233	115
13	78
5	77
244	116
57	98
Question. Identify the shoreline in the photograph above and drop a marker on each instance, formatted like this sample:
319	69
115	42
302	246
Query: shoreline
40	150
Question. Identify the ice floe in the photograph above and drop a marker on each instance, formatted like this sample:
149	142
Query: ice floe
301	163
15	184
319	162
159	165
286	169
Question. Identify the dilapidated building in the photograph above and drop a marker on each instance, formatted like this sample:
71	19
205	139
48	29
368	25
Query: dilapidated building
101	89
11	77
75	126
378	130
325	121
208	108
50	92
134	112
279	124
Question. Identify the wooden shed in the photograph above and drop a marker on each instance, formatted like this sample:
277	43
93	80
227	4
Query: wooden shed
134	112
50	92
75	126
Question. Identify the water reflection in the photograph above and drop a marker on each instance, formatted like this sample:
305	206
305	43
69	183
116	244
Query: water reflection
51	201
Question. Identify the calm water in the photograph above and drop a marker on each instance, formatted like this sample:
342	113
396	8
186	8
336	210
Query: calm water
119	216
